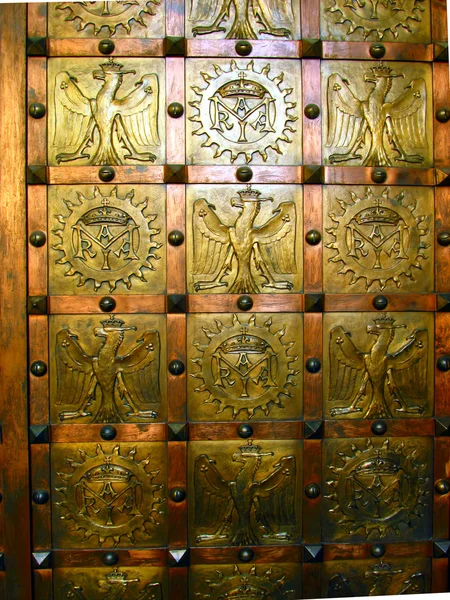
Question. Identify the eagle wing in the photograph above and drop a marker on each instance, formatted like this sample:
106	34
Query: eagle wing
139	112
276	239
73	369
152	591
208	10
212	493
211	239
346	367
274	12
276	493
140	369
344	113
409	365
73	112
408	114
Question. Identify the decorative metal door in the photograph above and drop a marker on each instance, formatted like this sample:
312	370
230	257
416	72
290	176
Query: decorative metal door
238	296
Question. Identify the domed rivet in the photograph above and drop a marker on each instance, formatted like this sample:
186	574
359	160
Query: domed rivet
377	550
243	48
378	175
244	174
177	494
175	110
110	559
38	368
312	490
108	432
442	487
377	50
106	46
176	237
443	238
245	430
443	363
379	427
443	115
246	554
312	111
380	302
176	367
107	304
244	302
313	237
36	110
106	174
313	365
37	238
40	496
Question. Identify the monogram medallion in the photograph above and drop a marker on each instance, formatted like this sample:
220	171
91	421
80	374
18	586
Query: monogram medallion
378	240
242	367
244	241
244	113
108	495
107	240
106	113
104	373
377	115
378	367
378	488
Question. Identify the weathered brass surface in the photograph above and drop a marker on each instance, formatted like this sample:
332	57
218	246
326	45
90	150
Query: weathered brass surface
244	494
376	577
244	240
378	365
378	239
108	369
377	115
106	112
136	19
243	111
121	583
240	366
259	19
109	495
107	239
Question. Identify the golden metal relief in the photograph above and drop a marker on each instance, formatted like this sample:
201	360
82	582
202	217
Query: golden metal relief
243	112
109	495
107	239
98	116
378	367
244	241
104	373
377	115
378	239
244	366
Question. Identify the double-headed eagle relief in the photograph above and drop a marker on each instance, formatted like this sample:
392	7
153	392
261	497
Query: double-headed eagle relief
107	124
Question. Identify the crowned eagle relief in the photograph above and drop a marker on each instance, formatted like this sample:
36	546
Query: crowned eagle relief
116	585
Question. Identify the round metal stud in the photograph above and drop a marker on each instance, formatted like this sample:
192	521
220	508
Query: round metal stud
377	50
378	550
443	238
313	365
379	427
175	237
38	368
108	432
380	302
245	430
442	487
106	46
243	48
378	175
313	237
106	174
175	110
443	115
246	554
312	490
443	363
244	174
37	238
40	497
177	494
244	302
176	367
107	304
36	110
110	559
312	111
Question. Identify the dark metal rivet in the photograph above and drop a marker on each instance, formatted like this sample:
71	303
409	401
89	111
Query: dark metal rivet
313	237
243	48
108	432
177	494
312	490
245	430
40	497
246	554
176	237
106	173
38	368
380	302
312	111
244	302
107	304
175	110
377	50
36	110
443	363
379	427
443	115
110	559
244	174
106	46
443	238
176	367
313	365
378	550
37	238
442	487
378	175
1	497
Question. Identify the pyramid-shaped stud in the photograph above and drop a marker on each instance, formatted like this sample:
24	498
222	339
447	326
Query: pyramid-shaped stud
175	46
42	560
442	426
441	52
178	432
312	174
174	174
441	549
443	302
313	430
312	553
37	305
179	557
314	302
312	48
442	176
2	561
36	174
176	303
37	46
39	434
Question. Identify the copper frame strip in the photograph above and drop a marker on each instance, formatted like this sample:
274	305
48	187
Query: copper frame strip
211	303
441	94
361	302
439	31
43	584
177	510
37	128
124	174
363	176
312	128
37	257
263	554
260	48
442	253
312	508
312	576
275	430
129	432
89	47
310	19
312	255
362	551
213	174
394	51
441	503
442	378
175	127
37	19
81	305
93	558
347	428
178	583
174	18
38	386
439	575
176	255
41	514
312	382
176	384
